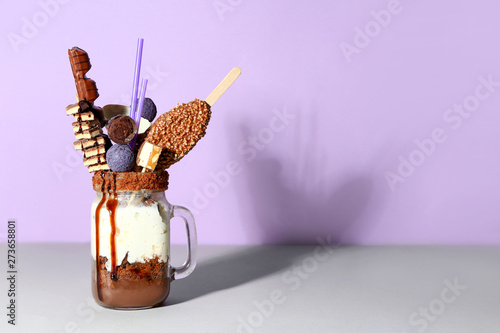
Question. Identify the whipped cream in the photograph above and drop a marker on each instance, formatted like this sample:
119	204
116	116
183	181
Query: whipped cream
141	230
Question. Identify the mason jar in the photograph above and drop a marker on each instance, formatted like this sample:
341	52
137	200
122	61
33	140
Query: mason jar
130	240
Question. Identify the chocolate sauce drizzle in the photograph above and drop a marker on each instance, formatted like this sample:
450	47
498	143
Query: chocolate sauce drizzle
111	206
97	220
109	196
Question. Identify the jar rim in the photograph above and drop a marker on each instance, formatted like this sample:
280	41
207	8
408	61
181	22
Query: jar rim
110	181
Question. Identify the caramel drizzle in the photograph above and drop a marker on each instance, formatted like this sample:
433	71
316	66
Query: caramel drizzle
111	206
97	256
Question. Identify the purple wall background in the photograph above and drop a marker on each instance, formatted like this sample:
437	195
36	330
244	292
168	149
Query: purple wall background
322	172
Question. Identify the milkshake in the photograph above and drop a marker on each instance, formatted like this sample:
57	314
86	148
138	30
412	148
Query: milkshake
130	215
130	239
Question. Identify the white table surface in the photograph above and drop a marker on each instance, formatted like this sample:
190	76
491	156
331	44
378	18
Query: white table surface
311	289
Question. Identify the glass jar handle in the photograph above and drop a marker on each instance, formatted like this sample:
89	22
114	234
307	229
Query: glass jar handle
192	243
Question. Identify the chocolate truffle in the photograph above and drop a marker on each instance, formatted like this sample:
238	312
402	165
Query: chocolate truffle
122	129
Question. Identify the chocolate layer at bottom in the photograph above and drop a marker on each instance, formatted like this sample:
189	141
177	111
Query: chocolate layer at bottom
137	285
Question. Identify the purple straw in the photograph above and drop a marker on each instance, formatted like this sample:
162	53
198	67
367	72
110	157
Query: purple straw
137	74
138	114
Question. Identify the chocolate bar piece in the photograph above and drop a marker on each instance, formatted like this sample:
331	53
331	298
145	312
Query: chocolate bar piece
86	89
80	62
80	65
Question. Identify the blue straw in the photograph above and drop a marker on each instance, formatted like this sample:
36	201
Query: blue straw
138	114
137	74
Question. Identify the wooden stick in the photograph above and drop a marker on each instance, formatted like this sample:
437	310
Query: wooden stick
223	86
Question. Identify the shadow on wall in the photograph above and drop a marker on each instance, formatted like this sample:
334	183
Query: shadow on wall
283	207
285	216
